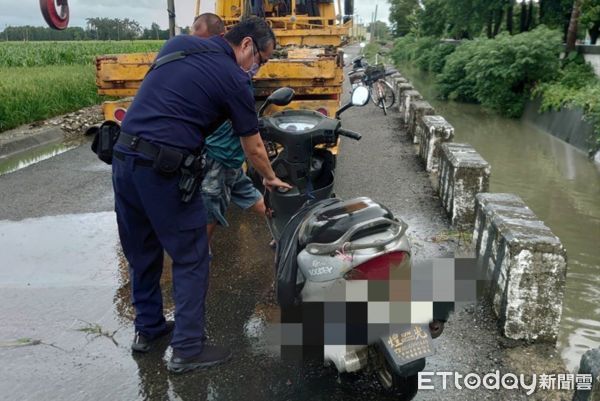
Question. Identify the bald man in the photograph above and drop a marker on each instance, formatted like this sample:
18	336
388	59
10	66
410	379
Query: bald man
224	180
207	25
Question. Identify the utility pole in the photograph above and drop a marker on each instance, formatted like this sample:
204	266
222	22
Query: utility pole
171	12
375	20
372	27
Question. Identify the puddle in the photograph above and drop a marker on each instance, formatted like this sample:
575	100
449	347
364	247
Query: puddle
262	330
33	156
59	251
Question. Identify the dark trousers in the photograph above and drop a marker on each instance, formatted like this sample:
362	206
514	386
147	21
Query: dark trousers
151	219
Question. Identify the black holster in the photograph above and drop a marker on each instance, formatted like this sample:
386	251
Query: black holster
192	173
105	138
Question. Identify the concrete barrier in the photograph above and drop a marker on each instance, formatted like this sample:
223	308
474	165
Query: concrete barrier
463	173
432	132
417	110
400	89
590	367
405	98
526	265
395	81
591	54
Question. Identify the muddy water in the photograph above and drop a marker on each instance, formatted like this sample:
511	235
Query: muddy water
64	289
558	183
33	156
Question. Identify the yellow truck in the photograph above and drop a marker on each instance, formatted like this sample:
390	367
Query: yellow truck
309	33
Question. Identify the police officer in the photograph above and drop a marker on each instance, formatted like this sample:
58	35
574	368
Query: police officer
194	86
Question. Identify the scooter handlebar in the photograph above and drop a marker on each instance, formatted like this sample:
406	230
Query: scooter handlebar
349	134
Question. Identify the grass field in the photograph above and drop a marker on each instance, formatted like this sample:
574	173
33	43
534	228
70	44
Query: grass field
30	94
39	54
39	80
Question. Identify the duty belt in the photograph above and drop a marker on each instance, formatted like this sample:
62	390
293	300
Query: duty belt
138	144
168	162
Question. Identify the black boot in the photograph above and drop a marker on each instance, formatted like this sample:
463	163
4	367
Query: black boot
211	355
143	344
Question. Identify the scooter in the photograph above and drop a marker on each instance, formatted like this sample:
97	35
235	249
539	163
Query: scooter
359	66
359	62
331	251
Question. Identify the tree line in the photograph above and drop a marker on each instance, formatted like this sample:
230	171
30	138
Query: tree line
95	29
467	19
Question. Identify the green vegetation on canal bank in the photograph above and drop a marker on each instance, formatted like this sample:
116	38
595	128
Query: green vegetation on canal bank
503	73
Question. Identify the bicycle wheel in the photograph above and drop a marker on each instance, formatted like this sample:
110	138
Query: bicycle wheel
387	96
374	93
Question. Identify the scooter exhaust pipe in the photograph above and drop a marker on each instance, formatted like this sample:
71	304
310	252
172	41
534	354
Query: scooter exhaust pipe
355	360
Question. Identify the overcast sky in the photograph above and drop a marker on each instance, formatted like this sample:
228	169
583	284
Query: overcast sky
27	12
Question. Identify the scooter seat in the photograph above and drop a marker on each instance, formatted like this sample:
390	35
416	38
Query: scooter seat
356	76
327	224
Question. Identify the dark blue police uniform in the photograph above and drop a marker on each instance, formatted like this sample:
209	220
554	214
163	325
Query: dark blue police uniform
176	104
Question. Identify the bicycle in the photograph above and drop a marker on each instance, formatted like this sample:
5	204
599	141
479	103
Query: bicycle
381	91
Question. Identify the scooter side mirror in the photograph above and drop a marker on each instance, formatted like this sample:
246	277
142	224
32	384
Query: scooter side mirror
360	96
281	97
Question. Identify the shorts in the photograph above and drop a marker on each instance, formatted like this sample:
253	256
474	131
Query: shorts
223	185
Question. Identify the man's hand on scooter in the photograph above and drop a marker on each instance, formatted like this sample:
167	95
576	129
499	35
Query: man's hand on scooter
275	182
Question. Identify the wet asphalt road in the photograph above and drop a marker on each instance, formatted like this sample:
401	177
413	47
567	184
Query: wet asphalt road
65	296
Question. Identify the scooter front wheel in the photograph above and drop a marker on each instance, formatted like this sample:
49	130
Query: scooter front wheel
405	388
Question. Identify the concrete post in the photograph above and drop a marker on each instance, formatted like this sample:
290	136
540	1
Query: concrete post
417	110
463	173
526	265
401	88
432	132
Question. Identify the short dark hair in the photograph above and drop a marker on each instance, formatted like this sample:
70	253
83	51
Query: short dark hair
214	23
254	27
